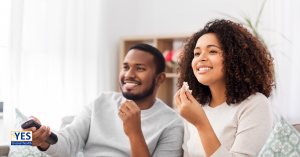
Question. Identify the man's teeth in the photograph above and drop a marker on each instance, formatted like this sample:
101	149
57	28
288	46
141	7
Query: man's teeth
131	84
201	69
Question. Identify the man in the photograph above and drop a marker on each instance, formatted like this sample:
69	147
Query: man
134	123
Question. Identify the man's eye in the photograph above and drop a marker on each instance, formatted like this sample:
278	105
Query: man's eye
140	69
125	68
197	54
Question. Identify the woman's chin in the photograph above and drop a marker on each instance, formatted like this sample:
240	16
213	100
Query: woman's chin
204	82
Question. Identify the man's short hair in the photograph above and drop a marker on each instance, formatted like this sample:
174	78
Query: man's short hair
159	59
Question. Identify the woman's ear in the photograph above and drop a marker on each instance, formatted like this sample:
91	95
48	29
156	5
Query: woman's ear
160	78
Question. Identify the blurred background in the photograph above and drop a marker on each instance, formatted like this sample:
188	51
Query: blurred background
58	55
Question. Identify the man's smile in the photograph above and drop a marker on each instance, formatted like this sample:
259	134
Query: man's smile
130	84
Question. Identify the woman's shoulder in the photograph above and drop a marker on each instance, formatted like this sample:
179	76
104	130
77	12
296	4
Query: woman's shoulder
256	103
257	98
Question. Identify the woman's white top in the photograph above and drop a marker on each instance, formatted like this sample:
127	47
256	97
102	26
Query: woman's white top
242	128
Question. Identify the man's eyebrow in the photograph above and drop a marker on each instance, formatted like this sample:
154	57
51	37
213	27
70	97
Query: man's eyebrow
138	64
141	64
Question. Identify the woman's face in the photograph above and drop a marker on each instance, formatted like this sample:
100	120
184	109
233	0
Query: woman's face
208	60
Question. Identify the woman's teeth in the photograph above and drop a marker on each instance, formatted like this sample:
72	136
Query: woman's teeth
206	68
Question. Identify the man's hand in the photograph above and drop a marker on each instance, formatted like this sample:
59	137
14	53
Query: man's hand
39	135
130	114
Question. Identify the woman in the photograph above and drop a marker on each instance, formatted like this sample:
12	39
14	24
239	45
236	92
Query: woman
230	74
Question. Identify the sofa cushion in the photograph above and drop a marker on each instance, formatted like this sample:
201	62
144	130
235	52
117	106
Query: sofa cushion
283	141
25	151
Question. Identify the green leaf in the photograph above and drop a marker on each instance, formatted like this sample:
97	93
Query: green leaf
261	9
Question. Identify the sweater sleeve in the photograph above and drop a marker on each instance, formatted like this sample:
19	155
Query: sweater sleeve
254	128
186	138
72	138
170	142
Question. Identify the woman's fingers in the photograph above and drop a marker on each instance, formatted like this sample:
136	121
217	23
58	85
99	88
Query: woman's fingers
177	98
190	96
183	95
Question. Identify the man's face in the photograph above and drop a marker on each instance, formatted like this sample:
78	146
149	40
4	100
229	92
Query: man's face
137	77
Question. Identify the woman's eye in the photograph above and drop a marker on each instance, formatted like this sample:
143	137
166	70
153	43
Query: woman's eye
213	52
197	54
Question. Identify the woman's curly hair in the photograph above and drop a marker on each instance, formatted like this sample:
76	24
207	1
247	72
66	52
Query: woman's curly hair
247	63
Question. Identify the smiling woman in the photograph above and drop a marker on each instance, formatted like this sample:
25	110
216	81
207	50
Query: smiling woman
228	70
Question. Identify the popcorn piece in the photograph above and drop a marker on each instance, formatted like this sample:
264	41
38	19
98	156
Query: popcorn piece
186	85
190	91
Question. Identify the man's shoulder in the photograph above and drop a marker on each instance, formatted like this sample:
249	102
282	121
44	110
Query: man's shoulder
105	98
109	95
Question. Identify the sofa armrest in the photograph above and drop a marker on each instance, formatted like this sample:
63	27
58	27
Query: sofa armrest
297	127
4	150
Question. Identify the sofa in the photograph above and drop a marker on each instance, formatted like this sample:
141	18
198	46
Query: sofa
4	149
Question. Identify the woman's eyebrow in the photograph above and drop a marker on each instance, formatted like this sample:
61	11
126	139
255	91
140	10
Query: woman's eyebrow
197	48
207	47
212	46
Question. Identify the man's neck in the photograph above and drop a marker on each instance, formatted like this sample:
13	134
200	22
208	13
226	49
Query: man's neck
146	103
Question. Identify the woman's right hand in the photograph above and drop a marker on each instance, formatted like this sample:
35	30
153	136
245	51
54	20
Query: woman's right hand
39	135
188	107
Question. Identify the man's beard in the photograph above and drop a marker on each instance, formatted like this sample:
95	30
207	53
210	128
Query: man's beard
139	96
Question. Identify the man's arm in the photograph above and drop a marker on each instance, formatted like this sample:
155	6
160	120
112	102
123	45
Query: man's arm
130	114
70	139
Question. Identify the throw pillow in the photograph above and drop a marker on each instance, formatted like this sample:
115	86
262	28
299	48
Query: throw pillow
284	141
27	151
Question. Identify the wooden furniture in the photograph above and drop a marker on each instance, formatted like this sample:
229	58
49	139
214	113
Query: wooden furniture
162	43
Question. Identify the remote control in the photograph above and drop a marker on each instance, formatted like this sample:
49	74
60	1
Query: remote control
52	139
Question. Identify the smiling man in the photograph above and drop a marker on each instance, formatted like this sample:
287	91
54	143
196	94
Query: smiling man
134	123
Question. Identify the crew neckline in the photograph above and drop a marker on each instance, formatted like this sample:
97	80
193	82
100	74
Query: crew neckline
149	110
219	106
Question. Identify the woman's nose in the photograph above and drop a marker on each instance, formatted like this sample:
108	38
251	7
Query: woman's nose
203	57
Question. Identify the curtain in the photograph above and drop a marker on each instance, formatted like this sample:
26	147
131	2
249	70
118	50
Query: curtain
280	26
54	58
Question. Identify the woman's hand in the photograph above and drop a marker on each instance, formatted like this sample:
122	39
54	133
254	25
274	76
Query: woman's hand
188	106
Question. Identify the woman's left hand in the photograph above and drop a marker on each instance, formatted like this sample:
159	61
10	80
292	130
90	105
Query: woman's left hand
188	106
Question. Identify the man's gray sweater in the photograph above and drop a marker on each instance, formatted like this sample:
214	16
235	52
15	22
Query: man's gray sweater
99	131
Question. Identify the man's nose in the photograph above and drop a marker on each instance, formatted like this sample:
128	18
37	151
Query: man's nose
130	73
